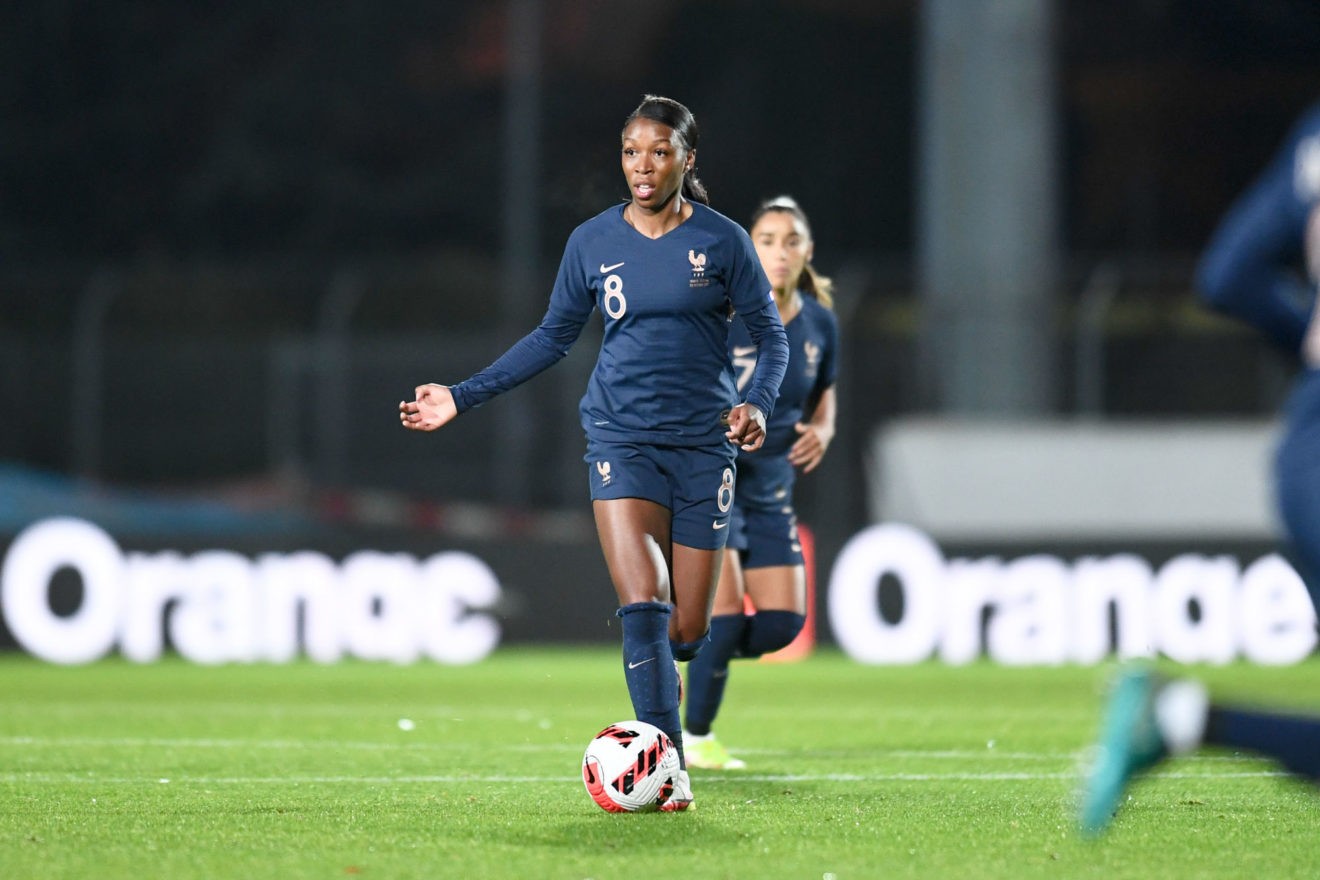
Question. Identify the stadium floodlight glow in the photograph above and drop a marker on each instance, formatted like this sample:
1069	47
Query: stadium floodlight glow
1043	610
218	606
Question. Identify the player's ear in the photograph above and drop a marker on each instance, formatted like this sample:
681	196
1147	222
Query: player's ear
691	161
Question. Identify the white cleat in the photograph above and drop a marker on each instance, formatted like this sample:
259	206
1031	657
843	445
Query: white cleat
682	798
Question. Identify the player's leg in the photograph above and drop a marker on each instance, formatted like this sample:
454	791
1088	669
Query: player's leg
1291	739
779	593
1297	482
1146	720
776	580
1150	718
703	481
634	536
708	671
630	500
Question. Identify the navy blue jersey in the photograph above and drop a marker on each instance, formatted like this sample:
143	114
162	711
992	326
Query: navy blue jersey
813	345
663	374
1250	269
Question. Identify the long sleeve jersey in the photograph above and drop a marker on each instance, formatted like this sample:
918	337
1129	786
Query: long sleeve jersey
663	374
813	343
1249	270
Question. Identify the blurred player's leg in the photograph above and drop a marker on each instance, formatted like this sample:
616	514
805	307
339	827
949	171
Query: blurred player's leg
1147	719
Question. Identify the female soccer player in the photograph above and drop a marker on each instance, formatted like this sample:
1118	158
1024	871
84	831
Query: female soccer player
666	273
764	559
1248	271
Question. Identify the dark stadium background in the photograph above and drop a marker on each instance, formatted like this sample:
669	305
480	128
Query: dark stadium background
233	236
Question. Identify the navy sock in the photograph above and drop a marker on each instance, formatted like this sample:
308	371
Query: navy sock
708	673
648	667
1291	739
687	651
769	631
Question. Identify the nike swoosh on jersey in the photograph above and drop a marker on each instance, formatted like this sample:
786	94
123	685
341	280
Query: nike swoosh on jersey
743	350
640	663
604	268
718	525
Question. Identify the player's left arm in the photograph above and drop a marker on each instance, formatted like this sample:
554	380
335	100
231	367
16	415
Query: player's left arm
754	302
816	433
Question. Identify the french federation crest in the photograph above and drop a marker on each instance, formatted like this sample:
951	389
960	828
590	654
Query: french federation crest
698	262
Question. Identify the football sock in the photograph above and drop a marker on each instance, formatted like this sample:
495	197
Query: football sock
1291	739
686	651
708	673
769	631
648	667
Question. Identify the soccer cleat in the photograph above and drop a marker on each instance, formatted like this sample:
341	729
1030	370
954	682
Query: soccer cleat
681	799
708	753
1130	742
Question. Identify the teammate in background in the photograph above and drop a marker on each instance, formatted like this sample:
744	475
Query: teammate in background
666	272
763	558
1252	270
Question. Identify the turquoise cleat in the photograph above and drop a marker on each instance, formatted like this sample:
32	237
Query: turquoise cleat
1130	742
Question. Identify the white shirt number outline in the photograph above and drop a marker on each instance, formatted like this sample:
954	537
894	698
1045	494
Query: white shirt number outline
744	359
613	301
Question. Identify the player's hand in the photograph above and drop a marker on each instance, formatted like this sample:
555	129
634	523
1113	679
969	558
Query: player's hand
810	446
433	408
746	427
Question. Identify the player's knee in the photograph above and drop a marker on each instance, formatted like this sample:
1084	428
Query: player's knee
769	631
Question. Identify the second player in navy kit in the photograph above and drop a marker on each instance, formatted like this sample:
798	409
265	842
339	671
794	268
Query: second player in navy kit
1256	269
667	273
764	556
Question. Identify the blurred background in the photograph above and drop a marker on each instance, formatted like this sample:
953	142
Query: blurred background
235	236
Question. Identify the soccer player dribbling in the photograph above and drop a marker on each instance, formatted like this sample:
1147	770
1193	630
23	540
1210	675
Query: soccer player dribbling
763	558
667	273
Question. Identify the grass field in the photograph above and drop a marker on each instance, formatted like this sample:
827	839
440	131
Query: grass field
303	771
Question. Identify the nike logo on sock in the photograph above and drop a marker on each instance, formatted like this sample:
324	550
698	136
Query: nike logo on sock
604	269
640	663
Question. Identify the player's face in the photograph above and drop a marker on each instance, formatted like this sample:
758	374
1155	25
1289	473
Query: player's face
653	164
784	247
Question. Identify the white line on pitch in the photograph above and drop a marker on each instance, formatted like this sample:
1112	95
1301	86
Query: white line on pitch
61	779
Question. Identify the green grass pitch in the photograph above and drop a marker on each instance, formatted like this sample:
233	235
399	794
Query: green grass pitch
172	770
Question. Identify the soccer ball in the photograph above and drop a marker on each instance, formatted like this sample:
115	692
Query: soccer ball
630	767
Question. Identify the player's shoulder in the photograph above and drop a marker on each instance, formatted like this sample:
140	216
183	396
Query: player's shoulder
707	219
817	312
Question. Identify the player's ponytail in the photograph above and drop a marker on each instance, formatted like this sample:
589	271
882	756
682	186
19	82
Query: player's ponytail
675	116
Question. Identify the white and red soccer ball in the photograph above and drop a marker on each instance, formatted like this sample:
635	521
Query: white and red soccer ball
630	767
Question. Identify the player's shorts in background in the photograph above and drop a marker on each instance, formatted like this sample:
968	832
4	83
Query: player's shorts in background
695	482
765	536
764	525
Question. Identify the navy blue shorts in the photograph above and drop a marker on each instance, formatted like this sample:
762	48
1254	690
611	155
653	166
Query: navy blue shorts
696	483
764	527
765	537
